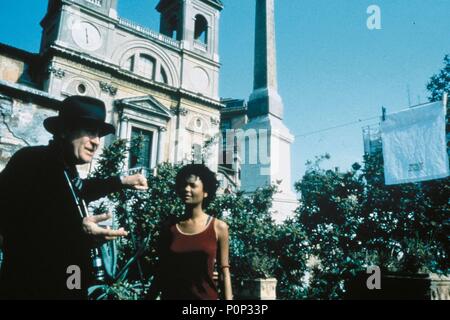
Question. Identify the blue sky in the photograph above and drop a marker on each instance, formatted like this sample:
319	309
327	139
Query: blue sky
332	69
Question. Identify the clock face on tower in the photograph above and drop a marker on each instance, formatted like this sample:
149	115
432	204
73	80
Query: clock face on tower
86	36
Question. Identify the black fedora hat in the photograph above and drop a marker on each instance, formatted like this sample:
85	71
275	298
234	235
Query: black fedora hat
80	112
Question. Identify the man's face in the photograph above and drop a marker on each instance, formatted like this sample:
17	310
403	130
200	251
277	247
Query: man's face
83	144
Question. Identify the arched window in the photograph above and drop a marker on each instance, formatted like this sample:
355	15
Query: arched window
146	66
201	29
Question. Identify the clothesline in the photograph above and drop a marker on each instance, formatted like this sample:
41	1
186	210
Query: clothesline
336	127
351	123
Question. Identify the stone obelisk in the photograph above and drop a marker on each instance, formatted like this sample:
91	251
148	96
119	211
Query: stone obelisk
265	126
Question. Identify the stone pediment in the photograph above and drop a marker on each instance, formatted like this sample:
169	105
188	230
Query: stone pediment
146	105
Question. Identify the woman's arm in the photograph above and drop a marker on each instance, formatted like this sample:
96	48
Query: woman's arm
224	264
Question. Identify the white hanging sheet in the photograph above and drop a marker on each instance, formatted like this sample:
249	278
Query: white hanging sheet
414	144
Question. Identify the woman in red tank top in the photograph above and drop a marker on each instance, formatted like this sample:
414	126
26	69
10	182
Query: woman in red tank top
188	249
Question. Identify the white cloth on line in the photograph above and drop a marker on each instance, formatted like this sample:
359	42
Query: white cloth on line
415	145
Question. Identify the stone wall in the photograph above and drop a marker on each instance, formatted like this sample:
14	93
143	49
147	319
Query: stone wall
20	126
16	65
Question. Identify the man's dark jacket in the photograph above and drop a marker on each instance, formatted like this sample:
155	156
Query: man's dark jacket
41	226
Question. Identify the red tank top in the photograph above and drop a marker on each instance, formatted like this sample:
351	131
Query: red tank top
191	259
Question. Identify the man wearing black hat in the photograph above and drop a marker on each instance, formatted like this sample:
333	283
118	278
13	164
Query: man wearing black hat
45	234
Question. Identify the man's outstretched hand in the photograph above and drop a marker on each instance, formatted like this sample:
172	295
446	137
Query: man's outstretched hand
136	181
99	234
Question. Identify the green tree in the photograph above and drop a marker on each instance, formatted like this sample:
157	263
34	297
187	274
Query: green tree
408	223
329	215
252	232
291	243
352	220
440	82
260	248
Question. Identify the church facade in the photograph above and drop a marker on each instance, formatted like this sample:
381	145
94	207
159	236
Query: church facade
163	86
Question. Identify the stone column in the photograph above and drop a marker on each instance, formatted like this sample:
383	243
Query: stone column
265	69
161	143
265	113
123	127
265	99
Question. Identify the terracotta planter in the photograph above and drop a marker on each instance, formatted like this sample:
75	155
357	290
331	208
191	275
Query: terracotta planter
256	289
397	286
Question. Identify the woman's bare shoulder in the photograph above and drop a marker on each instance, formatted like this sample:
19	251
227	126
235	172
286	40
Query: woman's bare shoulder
221	226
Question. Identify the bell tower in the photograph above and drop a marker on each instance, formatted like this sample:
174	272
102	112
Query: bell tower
194	22
76	23
75	28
